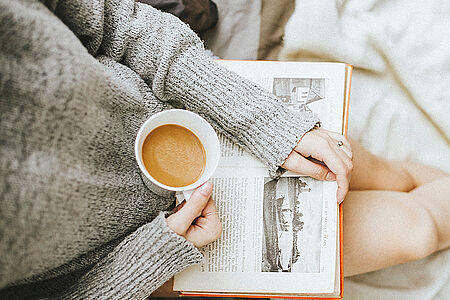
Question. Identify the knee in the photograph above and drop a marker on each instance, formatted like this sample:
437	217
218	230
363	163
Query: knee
422	238
404	180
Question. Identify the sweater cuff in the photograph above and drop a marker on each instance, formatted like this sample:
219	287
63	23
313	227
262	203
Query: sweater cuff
141	263
273	139
245	112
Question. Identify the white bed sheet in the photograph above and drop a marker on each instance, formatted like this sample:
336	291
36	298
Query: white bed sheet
400	102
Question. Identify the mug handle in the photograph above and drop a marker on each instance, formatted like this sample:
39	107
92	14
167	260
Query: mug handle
184	195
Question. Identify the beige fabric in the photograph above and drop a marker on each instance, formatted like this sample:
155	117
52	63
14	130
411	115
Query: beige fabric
236	35
274	16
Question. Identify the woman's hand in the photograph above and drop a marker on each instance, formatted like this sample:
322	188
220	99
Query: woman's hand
332	149
197	219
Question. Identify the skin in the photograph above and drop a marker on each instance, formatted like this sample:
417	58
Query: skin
395	212
197	220
322	145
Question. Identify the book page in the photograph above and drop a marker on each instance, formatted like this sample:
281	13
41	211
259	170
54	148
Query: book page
318	87
279	236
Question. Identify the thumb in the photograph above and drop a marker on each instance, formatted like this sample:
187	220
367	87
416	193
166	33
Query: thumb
299	164
180	221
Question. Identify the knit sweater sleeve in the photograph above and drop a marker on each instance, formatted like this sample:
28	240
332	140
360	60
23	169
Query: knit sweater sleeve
178	69
140	264
172	61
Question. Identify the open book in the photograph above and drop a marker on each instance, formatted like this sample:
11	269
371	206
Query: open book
281	238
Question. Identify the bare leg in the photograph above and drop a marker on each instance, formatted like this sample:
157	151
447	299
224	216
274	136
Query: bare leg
394	213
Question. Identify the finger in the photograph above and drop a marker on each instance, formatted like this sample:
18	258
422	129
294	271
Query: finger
342	154
340	137
181	220
298	164
209	217
342	180
321	146
179	206
345	145
347	151
209	208
340	169
207	227
204	232
325	135
343	183
331	158
343	171
316	143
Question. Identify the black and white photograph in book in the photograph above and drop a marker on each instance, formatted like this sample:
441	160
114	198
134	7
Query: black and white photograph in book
297	93
292	224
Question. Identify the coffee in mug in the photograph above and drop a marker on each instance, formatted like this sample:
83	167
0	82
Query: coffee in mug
173	155
177	151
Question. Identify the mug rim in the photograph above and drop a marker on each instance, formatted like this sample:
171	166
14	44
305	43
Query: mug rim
138	151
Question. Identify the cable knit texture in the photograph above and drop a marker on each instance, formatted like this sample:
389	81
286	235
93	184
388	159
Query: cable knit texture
127	265
77	79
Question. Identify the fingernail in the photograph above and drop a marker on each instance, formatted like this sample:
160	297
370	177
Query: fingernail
330	177
340	201
206	189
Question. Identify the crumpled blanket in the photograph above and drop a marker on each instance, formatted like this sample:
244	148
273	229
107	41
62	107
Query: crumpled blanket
236	35
400	102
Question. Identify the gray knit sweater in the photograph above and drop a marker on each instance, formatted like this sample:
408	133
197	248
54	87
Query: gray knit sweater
77	79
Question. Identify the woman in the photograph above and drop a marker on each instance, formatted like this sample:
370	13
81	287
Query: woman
77	80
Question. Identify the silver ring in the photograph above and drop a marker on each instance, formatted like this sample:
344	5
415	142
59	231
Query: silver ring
340	143
212	213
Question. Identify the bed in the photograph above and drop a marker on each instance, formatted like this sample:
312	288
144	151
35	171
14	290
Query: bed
400	99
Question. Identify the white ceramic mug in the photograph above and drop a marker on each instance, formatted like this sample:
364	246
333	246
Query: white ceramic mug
201	128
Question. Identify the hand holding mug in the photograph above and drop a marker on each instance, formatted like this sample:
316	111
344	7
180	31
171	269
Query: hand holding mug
328	147
197	220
